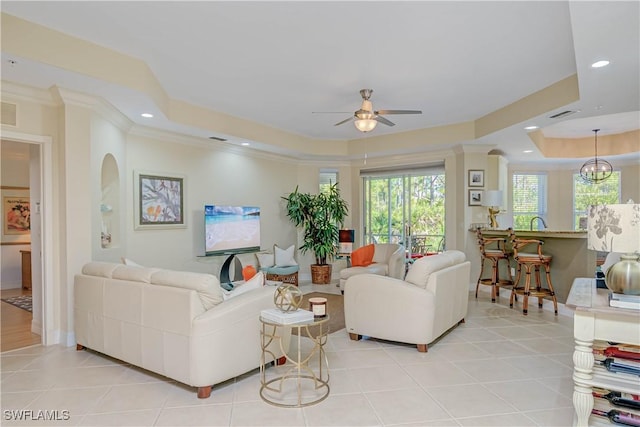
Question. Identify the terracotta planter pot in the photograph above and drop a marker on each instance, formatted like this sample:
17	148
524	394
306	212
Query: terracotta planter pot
321	274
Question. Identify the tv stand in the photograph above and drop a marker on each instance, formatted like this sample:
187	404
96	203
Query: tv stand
225	280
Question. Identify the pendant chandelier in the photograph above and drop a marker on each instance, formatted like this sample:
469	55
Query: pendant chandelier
596	170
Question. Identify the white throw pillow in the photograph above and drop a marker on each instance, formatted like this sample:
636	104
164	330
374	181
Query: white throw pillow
127	261
284	257
256	282
265	259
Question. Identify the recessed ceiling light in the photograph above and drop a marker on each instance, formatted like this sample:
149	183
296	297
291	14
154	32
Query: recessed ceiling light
531	127
147	115
528	151
245	144
598	64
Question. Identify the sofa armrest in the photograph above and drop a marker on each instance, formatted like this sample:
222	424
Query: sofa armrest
375	305
226	338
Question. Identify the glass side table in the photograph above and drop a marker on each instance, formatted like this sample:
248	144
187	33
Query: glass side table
310	386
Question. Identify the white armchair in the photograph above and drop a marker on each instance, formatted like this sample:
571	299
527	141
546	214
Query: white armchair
388	260
431	300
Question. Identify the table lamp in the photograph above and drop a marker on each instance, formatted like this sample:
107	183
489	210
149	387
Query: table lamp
616	228
493	200
346	238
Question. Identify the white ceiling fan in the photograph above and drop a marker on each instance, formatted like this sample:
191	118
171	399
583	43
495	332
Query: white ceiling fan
366	118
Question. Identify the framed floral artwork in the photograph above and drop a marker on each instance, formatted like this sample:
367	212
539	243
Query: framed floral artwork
16	215
159	201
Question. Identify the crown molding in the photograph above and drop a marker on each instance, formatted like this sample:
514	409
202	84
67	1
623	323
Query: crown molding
14	91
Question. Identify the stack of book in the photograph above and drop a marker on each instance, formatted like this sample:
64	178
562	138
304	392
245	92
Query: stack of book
286	318
624	301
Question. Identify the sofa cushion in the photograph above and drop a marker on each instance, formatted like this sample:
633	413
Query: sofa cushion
284	257
207	285
376	268
134	274
100	269
362	256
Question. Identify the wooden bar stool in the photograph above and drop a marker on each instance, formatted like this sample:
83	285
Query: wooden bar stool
529	261
493	249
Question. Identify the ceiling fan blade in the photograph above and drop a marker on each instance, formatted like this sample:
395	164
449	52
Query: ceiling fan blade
385	121
344	121
330	112
399	112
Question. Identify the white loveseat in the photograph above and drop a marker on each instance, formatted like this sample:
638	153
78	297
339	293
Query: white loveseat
432	299
174	323
388	260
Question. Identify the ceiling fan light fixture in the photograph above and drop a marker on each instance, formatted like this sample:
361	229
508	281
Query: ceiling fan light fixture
365	125
596	170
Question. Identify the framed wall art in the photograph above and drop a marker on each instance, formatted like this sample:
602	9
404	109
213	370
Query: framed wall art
476	178
475	197
159	201
16	215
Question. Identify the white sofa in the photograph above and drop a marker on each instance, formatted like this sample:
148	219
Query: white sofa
174	323
388	260
432	299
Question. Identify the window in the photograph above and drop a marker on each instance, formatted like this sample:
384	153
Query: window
529	199
327	178
585	194
405	207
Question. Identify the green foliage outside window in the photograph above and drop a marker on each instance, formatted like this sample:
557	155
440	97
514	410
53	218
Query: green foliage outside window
399	206
529	199
586	194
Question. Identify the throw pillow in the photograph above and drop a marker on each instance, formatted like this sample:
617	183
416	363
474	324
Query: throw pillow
256	282
127	261
284	257
362	256
265	259
248	272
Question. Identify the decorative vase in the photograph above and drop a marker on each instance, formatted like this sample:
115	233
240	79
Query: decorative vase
321	274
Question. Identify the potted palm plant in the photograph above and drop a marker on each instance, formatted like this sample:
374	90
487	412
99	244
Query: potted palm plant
320	216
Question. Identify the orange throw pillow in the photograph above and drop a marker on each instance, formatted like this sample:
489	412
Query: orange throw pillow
248	272
363	256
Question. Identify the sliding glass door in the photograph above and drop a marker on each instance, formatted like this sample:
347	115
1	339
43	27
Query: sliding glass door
406	208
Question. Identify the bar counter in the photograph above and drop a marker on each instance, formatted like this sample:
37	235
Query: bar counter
571	258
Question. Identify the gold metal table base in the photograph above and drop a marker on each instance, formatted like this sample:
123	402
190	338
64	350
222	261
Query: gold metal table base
309	387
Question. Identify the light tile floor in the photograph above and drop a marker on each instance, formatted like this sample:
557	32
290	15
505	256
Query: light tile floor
499	368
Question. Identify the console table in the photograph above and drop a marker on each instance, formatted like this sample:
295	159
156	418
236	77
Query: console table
595	320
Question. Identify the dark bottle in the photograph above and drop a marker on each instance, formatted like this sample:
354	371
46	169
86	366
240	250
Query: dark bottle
619	417
617	398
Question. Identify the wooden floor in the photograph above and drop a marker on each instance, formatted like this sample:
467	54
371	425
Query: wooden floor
15	329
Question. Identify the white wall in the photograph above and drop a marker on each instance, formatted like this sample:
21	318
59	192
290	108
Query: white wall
213	175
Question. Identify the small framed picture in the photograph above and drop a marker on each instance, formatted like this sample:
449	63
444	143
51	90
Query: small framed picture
475	197
476	178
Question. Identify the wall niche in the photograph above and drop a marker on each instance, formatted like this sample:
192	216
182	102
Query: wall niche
110	203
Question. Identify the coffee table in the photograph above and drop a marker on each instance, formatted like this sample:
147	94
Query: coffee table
309	386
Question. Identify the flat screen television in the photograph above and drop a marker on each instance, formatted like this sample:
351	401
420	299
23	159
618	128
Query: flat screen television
231	229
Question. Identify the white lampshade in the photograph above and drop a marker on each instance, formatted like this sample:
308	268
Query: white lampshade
614	228
492	198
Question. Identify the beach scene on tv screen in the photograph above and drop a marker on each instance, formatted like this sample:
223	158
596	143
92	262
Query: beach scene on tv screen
231	228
